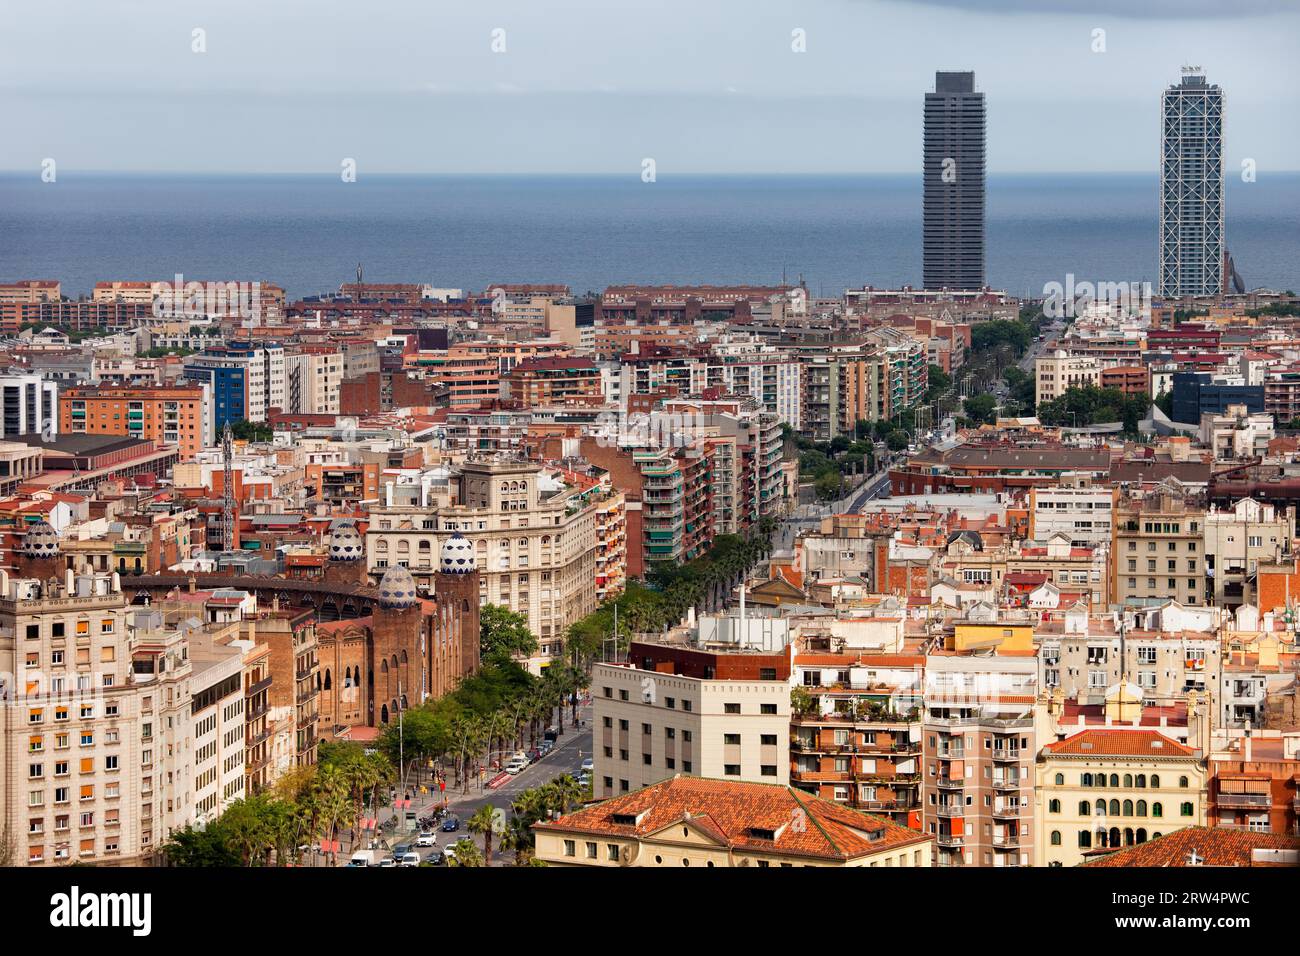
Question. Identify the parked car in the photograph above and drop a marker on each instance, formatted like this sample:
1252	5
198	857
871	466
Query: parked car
534	755
436	857
588	765
409	859
387	861
401	850
450	824
545	747
516	764
362	858
449	855
426	838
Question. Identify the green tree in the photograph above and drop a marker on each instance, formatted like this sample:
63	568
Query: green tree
504	634
465	852
484	822
980	408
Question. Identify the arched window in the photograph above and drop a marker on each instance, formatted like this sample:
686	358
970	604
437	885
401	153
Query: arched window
1056	838
1114	808
1141	808
1128	836
383	666
1182	781
394	662
1142	835
1128	808
1060	779
381	546
1101	780
1100	807
1155	781
1156	835
404	660
1084	808
1114	780
1054	806
425	547
1114	836
383	714
1187	809
1141	781
1085	840
403	547
1086	780
1157	810
1128	780
328	683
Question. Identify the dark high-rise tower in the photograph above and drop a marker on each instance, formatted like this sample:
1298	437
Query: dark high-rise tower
953	230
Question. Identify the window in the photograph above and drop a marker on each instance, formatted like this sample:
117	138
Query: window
1054	806
731	770
1187	809
1056	838
570	848
731	708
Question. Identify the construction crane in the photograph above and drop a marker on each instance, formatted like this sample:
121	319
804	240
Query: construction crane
227	490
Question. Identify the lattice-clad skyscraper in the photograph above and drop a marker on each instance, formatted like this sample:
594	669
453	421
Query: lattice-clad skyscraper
953	184
1191	187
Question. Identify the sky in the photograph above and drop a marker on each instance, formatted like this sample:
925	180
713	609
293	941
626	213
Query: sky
599	86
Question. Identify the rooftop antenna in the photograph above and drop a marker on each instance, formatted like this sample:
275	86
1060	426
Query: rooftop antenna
227	492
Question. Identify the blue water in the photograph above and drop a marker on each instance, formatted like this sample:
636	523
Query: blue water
307	233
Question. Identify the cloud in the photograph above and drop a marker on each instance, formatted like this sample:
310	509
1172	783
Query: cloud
1128	9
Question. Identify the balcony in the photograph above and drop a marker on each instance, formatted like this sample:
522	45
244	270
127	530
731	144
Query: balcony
951	753
1245	800
1006	810
951	783
949	810
1006	841
1007	784
1005	753
947	839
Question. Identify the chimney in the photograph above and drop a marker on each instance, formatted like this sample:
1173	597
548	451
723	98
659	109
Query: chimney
1246	755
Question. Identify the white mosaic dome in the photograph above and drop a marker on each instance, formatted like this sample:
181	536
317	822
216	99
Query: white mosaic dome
346	544
397	588
457	555
41	541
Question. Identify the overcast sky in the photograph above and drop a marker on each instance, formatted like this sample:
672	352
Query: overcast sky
598	85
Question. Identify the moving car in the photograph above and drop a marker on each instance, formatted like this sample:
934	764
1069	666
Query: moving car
516	764
387	861
410	859
449	855
436	857
588	765
362	858
426	838
450	824
401	850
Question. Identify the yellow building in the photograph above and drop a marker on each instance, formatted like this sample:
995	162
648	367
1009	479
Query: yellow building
1004	635
691	821
1112	787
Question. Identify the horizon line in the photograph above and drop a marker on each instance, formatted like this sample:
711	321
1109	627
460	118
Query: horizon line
630	174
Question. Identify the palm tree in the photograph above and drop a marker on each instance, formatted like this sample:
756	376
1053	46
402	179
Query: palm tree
465	853
484	822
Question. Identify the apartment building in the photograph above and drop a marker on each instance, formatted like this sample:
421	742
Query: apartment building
1086	658
550	380
1158	550
1085	515
723	714
978	745
611	545
176	414
313	381
534	541
1237	434
28	405
246	380
1061	371
83	754
684	822
1255	783
1105	789
1237	539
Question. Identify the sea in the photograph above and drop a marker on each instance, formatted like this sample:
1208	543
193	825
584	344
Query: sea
308	233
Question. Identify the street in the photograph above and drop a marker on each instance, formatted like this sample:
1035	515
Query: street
570	750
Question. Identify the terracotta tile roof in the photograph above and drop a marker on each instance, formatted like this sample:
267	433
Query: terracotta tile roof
1119	743
740	815
1213	846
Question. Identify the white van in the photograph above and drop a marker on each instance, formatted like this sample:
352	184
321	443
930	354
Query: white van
410	859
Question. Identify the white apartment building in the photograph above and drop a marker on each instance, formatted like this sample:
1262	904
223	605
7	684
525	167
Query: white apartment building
649	725
1059	372
28	405
1085	515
